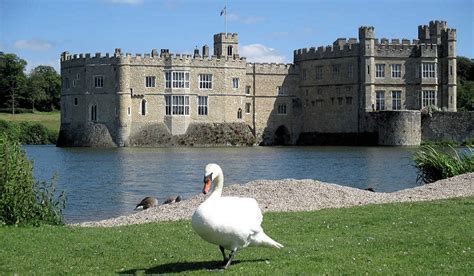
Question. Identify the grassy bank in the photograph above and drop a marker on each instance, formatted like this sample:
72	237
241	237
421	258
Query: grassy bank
51	120
427	238
31	128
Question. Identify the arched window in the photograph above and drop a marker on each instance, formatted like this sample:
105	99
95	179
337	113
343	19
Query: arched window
239	113
93	113
143	107
229	50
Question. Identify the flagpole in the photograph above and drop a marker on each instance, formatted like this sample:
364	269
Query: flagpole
225	17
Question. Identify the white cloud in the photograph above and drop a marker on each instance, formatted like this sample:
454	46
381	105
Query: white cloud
261	53
244	19
127	2
33	44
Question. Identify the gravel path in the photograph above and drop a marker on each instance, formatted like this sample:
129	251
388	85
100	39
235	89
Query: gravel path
299	195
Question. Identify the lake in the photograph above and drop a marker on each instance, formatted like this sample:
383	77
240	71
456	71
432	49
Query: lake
105	183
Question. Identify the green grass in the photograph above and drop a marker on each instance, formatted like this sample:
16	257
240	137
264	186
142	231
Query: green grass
415	238
50	120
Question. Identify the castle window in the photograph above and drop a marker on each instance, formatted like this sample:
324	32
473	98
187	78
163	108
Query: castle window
98	81
74	82
129	111
350	71
319	72
332	100
176	105
380	70
349	100
176	79
339	99
319	91
379	100
66	83
428	70
348	89
143	106
235	83
319	103
93	111
77	76
396	100
205	81
282	109
428	98
396	71
202	105
451	70
239	113
150	81
229	50
247	108
281	90
167	79
247	89
336	70
75	101
303	74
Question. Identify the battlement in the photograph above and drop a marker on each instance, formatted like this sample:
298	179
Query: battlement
272	68
226	37
340	48
147	59
366	32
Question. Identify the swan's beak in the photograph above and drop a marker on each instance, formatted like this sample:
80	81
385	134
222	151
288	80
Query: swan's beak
207	184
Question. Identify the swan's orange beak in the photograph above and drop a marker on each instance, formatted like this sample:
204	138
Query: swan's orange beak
207	184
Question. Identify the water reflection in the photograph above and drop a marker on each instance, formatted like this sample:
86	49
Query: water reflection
104	183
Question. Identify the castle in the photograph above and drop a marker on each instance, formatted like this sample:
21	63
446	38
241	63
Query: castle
354	90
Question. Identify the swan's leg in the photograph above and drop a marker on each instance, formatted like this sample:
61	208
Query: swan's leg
231	257
223	253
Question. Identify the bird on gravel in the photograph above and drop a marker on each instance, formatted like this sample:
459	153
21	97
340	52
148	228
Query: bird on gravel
147	202
172	199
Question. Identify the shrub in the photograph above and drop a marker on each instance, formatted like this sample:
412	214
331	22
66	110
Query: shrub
435	163
23	200
28	133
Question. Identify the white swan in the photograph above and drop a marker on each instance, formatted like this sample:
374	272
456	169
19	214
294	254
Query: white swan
229	222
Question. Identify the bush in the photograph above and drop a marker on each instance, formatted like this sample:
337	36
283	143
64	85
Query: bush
439	163
28	133
23	200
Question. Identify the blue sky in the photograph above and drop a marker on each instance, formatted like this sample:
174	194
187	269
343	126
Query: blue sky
269	30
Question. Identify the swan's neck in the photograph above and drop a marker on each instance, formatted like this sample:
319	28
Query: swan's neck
219	182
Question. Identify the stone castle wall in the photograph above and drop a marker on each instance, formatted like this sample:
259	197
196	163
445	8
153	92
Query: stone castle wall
328	92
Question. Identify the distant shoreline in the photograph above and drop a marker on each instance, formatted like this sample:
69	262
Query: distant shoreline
290	195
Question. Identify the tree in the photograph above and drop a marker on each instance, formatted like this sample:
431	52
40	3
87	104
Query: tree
12	79
465	90
44	88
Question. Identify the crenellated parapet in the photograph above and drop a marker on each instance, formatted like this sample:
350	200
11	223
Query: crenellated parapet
272	68
341	48
163	59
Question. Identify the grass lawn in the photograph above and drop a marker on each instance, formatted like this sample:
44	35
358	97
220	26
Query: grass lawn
51	120
415	238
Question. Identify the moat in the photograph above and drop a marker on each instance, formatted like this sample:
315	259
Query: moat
105	183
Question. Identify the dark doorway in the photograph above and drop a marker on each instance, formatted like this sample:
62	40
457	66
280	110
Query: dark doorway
282	136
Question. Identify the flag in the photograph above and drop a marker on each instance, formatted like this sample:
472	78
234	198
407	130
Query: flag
224	11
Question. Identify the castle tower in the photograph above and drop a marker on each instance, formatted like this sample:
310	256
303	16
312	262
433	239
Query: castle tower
449	60
226	45
367	69
123	101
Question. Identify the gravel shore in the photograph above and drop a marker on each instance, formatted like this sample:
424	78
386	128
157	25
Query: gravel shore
289	195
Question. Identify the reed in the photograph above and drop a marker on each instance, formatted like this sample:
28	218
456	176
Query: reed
435	163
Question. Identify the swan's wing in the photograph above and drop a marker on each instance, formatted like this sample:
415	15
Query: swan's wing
241	213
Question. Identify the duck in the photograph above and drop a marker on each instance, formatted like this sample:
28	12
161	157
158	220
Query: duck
147	202
232	223
172	199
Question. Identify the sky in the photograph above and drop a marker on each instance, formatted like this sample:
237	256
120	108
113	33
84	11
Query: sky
269	30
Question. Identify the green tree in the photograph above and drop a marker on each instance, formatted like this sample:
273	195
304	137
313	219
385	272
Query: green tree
12	79
465	89
44	88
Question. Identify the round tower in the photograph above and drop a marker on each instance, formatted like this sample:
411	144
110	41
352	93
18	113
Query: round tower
123	102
